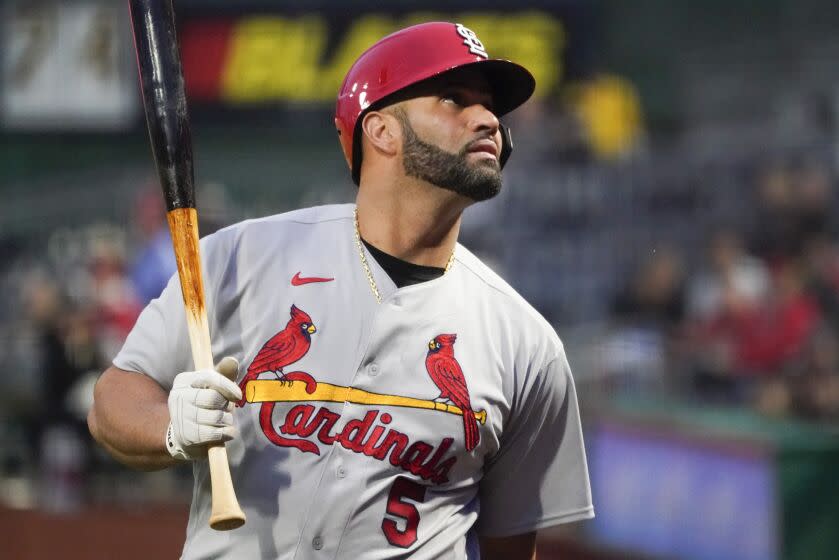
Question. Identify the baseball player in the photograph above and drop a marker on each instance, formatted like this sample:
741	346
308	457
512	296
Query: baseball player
395	397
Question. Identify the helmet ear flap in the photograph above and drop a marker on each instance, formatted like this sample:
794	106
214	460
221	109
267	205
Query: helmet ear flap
506	145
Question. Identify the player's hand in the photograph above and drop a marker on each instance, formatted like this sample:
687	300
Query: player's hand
200	409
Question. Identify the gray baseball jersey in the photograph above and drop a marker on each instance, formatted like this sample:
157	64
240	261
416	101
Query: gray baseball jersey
392	430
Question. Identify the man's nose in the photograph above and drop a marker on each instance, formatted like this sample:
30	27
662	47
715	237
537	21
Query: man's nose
481	118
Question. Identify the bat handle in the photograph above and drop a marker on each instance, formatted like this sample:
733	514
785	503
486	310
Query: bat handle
183	225
226	513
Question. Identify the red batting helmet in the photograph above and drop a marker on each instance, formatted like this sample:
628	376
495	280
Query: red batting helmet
414	54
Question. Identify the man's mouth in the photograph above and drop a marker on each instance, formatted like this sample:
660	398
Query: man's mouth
484	148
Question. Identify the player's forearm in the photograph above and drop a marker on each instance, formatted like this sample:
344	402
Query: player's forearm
143	462
129	417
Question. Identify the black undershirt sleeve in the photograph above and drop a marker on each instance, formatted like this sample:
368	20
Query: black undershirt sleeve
402	272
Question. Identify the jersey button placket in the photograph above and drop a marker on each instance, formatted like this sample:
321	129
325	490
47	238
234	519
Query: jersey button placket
341	472
373	369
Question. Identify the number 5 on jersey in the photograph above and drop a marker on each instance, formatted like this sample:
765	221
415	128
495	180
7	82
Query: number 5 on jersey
403	489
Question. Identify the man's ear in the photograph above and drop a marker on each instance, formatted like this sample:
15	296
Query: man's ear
383	132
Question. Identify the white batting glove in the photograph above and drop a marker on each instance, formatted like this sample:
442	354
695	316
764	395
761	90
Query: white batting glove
200	409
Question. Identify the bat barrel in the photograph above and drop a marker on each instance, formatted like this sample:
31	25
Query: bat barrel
162	84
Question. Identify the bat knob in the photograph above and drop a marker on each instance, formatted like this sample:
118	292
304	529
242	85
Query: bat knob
228	367
227	522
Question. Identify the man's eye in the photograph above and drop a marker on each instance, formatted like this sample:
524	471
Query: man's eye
452	98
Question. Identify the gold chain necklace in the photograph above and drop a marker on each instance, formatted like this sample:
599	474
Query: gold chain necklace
373	287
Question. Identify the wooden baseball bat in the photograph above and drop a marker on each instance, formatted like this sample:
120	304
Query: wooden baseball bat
162	84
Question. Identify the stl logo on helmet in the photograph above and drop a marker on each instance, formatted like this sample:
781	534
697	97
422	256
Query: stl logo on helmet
470	39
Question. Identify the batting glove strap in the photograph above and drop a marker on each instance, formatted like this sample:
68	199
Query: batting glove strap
172	446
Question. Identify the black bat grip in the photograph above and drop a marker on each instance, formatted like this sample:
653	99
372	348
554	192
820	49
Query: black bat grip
164	98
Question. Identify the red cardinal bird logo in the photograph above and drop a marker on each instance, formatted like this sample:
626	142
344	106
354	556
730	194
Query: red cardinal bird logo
283	349
445	372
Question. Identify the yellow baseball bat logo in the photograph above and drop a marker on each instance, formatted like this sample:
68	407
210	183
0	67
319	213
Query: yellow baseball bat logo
274	390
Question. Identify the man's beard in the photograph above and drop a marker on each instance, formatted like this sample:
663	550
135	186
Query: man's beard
452	171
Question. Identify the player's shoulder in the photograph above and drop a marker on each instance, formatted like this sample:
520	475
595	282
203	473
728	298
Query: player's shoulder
509	303
309	218
485	279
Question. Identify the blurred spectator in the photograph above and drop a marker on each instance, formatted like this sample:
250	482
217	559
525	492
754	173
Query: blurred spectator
745	342
794	203
722	301
821	262
68	350
80	317
655	296
609	109
810	391
775	237
816	391
774	336
646	313
731	279
155	262
813	196
113	304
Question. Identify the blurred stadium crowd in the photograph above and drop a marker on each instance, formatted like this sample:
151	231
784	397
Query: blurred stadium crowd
749	316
